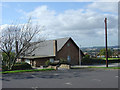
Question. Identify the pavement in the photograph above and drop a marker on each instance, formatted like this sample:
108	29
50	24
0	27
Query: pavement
73	78
103	65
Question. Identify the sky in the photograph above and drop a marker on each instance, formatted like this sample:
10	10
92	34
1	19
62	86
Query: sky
83	21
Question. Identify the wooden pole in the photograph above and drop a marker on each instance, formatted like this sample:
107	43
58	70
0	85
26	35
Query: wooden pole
106	42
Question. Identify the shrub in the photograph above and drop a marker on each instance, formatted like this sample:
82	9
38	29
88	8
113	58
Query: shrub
20	62
91	61
87	56
47	63
86	59
63	61
21	66
54	63
4	68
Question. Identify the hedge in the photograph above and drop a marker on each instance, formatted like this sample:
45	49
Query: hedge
18	66
92	61
4	68
21	66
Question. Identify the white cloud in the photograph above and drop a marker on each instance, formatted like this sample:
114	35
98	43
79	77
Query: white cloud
86	24
105	6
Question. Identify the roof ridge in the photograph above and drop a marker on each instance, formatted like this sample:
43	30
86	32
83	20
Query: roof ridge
55	39
58	39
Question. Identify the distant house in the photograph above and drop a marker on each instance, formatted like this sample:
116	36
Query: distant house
54	50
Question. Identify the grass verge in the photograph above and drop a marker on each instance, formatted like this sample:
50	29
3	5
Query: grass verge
111	58
95	67
32	70
105	67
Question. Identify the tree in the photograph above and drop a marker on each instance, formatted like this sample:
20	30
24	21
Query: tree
115	52
103	52
23	39
5	60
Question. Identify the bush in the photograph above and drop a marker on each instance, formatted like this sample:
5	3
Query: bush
47	63
54	64
87	56
86	60
63	61
21	66
4	68
92	61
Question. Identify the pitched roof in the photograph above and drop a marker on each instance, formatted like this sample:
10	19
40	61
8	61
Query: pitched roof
46	48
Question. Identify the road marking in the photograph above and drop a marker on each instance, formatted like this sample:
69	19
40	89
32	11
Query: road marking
35	88
33	75
116	76
55	74
97	80
68	83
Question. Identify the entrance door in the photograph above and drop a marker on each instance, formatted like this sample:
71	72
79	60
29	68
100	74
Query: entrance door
27	61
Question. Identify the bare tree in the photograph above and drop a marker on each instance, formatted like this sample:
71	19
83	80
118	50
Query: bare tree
19	38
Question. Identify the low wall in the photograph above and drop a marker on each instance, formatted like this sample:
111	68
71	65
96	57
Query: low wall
53	67
64	66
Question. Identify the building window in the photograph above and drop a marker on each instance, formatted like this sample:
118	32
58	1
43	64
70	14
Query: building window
51	60
68	58
68	44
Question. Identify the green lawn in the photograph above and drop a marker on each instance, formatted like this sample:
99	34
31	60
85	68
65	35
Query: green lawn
104	67
95	67
111	58
32	70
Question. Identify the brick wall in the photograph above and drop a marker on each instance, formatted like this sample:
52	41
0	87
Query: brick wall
69	49
41	61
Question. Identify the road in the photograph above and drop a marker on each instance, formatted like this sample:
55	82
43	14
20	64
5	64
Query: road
73	78
101	65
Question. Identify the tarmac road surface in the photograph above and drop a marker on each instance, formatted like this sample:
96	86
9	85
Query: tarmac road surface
73	78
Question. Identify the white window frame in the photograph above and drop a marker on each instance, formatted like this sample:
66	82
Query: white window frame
51	60
68	58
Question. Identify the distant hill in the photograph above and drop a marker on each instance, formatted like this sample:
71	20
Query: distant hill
99	47
96	49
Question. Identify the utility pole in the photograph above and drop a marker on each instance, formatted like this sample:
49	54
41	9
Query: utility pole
80	56
106	42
